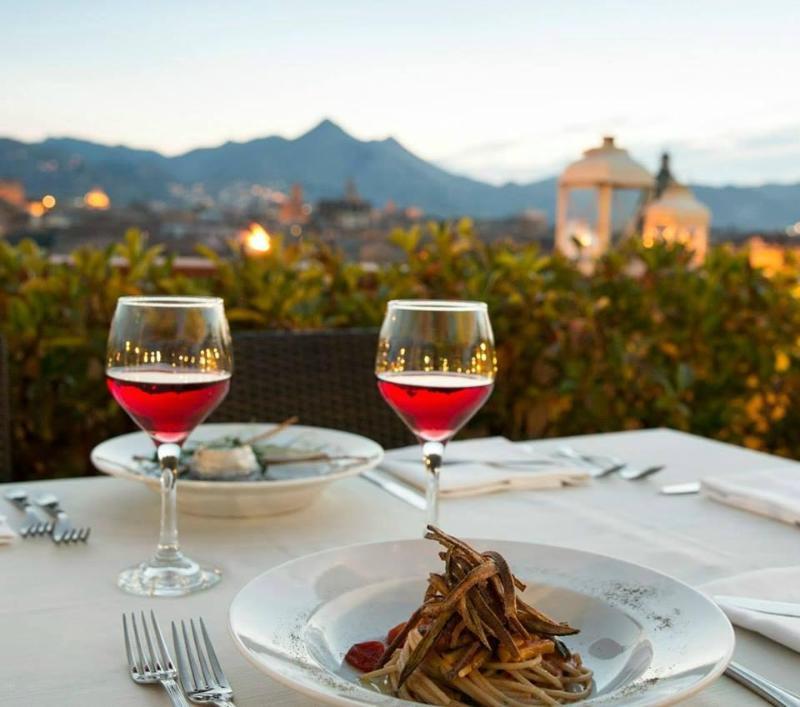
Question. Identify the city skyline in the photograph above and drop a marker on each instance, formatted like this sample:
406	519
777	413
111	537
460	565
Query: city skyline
512	96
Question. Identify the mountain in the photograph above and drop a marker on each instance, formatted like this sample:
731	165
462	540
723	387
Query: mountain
322	160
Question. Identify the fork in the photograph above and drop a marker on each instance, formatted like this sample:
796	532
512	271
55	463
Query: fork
598	466
154	667
199	683
33	525
64	531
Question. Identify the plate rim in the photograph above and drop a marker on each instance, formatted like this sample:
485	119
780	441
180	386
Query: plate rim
122	472
313	691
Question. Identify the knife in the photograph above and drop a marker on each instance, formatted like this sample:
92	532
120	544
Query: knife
395	488
762	606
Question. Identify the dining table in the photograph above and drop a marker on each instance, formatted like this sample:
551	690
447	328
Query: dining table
61	641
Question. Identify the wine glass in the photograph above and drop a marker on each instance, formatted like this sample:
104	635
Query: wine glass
435	367
169	365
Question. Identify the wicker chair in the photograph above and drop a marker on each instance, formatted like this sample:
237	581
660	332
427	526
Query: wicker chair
5	416
326	378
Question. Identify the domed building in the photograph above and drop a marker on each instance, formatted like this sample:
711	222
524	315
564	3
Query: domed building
674	215
585	230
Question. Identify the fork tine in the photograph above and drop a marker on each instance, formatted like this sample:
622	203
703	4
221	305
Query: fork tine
153	659
141	665
190	653
162	646
128	653
84	534
200	656
212	657
184	672
73	536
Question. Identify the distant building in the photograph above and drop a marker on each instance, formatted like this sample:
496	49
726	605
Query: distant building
12	192
294	210
13	206
351	213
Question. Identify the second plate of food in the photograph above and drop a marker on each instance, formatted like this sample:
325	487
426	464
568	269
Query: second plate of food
488	622
241	470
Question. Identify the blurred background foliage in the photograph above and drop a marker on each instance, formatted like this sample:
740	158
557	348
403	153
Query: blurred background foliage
645	340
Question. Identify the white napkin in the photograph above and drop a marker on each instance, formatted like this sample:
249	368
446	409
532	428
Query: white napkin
776	584
774	493
7	535
472	478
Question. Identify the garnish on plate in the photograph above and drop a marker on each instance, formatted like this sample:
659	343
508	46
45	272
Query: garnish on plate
475	641
233	458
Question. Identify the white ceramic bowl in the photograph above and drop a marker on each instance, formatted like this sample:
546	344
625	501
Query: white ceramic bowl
650	639
243	499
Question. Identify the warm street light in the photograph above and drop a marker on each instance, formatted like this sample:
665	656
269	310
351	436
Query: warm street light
97	199
256	240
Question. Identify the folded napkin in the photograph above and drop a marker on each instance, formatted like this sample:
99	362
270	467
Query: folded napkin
777	584
468	474
7	535
773	492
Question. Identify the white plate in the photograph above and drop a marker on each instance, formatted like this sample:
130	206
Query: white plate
242	499
650	639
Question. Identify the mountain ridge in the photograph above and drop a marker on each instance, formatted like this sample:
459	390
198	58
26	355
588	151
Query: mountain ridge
322	160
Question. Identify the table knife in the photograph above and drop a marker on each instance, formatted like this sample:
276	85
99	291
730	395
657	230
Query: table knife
766	689
762	606
395	488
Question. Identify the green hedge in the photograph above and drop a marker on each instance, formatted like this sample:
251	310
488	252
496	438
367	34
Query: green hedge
646	340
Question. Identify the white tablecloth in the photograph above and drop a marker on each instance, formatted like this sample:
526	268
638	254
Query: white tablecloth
60	626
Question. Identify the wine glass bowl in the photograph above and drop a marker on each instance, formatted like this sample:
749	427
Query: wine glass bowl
435	367
168	366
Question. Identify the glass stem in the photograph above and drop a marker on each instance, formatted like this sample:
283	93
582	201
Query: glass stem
432	453
169	457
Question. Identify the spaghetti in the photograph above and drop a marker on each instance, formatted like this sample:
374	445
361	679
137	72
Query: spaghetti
474	641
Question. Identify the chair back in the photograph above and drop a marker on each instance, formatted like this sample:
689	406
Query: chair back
5	415
326	378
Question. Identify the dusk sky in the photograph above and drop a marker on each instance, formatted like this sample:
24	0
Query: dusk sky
504	90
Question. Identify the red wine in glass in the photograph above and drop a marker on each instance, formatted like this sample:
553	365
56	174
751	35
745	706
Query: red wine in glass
168	403
434	405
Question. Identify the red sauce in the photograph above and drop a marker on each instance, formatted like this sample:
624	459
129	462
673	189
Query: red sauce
365	656
393	632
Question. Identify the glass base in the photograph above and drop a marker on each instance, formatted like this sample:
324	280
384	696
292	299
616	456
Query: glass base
174	578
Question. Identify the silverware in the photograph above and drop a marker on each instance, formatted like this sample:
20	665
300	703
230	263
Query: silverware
202	681
599	466
486	462
635	474
762	687
64	531
502	463
396	488
762	606
33	524
689	487
155	666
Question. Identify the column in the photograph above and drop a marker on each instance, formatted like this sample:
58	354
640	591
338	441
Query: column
603	219
562	238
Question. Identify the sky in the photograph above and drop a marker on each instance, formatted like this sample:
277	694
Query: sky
503	90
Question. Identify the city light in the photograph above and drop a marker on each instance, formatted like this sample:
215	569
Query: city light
97	199
36	209
256	240
48	201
